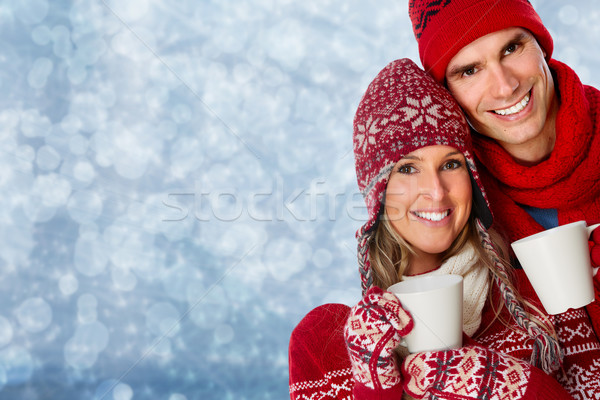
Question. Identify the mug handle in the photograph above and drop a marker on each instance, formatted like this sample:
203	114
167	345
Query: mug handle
590	229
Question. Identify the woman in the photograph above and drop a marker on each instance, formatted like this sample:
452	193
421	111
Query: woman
428	215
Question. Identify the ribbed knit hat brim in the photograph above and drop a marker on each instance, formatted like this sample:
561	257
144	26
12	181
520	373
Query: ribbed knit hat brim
443	27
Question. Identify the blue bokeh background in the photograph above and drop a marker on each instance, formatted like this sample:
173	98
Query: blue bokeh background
178	185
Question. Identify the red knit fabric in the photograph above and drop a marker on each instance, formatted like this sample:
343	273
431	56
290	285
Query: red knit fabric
568	181
543	388
443	27
319	364
580	374
319	368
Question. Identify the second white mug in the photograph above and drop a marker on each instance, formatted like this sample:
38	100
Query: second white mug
557	263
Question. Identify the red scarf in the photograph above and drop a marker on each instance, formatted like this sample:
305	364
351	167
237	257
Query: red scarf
568	181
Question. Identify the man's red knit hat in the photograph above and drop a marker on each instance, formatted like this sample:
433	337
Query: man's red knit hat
443	27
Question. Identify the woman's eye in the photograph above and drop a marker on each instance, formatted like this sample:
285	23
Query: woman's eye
407	169
454	164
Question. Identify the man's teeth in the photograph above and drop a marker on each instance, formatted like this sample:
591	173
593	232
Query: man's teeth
516	108
432	216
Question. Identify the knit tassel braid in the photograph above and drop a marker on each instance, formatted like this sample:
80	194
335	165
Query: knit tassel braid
364	267
547	353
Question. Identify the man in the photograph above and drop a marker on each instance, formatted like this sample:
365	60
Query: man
538	126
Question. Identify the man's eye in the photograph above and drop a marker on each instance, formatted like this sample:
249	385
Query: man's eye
511	48
469	71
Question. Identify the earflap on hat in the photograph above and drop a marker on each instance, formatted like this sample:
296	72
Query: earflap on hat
404	109
481	206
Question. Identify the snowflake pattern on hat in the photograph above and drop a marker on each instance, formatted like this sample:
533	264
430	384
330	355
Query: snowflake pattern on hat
366	134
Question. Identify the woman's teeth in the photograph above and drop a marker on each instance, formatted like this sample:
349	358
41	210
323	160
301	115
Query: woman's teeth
432	216
516	108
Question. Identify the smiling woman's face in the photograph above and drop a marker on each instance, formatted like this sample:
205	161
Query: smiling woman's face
428	199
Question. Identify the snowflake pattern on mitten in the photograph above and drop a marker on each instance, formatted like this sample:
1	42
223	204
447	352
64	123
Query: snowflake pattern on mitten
471	372
374	328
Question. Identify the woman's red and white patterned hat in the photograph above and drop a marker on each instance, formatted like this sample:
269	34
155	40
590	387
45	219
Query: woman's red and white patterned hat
403	110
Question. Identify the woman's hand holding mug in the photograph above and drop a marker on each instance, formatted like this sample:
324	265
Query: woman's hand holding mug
375	327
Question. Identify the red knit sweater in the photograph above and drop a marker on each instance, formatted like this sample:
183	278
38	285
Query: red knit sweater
320	368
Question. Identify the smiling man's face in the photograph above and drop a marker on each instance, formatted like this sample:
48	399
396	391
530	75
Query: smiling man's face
504	85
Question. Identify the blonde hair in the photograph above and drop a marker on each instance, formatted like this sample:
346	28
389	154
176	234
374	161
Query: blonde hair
390	255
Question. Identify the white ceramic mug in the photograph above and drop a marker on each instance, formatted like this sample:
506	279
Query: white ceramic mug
435	304
557	263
